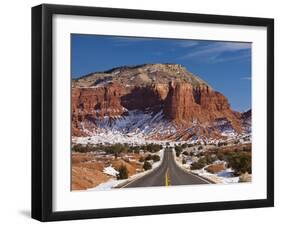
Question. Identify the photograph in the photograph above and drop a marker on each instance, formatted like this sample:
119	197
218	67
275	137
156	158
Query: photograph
149	112
145	112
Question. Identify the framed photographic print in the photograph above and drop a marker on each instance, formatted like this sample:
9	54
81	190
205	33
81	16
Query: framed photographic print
146	112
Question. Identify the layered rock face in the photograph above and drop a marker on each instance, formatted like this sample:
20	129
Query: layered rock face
168	93
186	104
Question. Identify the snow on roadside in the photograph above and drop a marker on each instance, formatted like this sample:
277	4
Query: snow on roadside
138	175
223	177
107	185
161	154
110	171
113	183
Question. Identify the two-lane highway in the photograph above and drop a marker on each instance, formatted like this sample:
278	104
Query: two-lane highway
168	173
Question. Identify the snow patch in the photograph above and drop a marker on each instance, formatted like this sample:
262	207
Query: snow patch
110	171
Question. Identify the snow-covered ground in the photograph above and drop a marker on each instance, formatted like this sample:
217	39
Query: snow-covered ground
121	132
107	185
110	171
223	177
140	127
113	137
112	183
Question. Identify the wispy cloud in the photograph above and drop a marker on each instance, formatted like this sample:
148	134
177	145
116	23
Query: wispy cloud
186	43
213	52
220	58
126	41
246	78
219	47
208	51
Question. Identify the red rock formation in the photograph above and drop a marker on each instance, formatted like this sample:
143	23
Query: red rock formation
142	98
89	104
182	102
186	104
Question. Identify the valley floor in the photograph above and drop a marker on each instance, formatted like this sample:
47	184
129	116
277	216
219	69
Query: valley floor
100	170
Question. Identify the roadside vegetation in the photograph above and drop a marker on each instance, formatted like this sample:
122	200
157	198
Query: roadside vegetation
147	165
122	173
104	161
236	156
117	148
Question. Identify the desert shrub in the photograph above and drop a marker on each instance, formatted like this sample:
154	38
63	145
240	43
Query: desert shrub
185	153
141	159
222	144
155	158
236	142
202	162
151	147
184	145
130	150
200	154
214	150
136	148
197	165
221	156
78	148
123	172
210	159
147	166
137	151
200	147
178	153
183	161
154	147
178	150
241	162
85	148
115	149
148	157
247	148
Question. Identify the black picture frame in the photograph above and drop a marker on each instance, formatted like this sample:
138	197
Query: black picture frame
42	111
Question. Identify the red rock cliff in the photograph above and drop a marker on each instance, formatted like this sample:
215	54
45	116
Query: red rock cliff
183	98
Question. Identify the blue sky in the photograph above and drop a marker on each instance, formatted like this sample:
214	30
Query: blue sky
226	66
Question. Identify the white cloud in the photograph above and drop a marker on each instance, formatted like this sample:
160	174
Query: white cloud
214	50
187	43
246	78
125	41
218	58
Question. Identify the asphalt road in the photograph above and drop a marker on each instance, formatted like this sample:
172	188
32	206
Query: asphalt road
167	174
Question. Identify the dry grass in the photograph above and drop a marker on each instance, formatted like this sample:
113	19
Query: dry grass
87	168
215	168
84	178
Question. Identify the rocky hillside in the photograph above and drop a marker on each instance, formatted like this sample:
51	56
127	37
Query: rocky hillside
156	101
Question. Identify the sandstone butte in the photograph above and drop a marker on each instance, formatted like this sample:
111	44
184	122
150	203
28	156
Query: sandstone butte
183	98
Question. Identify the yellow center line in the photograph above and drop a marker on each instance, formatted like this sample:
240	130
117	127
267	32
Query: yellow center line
167	179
